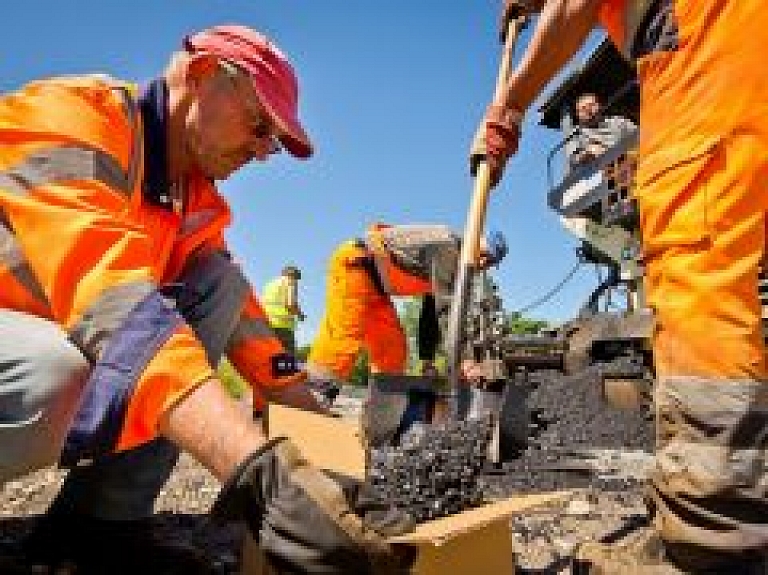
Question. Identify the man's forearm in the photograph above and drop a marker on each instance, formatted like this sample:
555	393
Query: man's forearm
561	29
213	428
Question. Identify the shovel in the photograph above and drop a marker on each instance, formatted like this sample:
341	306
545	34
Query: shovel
470	245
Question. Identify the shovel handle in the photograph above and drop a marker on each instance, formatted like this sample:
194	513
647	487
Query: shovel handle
470	245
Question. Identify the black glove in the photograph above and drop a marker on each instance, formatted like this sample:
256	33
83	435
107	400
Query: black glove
326	390
308	522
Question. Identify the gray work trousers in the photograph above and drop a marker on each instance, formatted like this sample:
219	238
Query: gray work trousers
42	376
122	486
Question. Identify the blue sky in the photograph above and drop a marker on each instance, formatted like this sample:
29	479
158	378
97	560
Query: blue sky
391	93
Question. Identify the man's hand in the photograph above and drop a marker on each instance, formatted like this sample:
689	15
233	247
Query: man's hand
472	371
502	136
515	9
307	522
594	149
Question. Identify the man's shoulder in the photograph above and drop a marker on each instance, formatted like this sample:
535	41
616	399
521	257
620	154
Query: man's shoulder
83	83
275	281
58	105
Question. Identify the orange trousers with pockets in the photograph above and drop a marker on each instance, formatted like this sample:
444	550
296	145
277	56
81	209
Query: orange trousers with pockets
702	189
357	316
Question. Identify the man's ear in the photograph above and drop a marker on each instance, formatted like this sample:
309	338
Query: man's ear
201	66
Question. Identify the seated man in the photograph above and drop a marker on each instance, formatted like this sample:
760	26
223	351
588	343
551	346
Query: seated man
594	133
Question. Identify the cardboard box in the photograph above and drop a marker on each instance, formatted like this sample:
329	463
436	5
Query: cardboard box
475	541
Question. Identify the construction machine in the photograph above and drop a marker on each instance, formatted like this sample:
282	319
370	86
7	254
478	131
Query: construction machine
610	334
611	331
594	201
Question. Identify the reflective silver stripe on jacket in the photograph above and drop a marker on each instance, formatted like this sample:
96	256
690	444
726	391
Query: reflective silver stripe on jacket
13	259
59	164
196	221
92	332
374	241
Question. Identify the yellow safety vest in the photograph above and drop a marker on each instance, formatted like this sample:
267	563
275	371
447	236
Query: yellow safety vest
275	299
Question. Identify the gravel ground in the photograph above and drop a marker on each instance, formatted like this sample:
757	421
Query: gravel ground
612	460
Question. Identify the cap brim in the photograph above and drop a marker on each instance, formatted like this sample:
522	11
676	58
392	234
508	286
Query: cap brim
292	135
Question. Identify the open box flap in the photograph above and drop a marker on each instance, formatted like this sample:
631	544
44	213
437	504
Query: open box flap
443	529
327	442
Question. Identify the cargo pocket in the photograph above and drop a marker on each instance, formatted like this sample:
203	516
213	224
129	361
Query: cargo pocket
673	198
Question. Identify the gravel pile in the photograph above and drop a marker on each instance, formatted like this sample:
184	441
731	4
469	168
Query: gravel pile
435	471
574	415
577	440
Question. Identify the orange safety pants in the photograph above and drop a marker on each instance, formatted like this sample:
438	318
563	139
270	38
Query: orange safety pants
702	189
357	316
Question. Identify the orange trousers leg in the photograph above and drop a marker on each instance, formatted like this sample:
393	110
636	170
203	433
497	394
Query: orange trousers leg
357	316
704	239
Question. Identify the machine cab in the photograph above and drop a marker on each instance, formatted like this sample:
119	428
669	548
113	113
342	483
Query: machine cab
600	188
594	195
594	199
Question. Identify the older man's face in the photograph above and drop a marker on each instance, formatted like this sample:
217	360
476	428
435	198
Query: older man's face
226	127
587	108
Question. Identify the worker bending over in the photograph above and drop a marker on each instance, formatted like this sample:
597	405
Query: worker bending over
364	274
119	298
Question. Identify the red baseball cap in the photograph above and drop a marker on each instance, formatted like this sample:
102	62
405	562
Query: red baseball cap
273	77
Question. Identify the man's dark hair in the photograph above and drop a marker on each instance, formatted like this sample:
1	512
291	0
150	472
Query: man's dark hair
292	271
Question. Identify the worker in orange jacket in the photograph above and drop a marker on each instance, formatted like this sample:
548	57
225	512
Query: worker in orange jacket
119	298
700	178
363	274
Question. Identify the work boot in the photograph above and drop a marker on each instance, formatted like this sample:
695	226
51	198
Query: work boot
644	553
91	546
12	561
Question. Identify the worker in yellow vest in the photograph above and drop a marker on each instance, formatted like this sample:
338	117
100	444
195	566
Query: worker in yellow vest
280	299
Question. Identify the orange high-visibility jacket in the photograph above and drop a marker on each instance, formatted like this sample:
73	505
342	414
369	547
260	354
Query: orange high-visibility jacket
80	245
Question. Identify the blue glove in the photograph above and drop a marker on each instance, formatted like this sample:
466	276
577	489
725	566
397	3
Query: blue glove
497	247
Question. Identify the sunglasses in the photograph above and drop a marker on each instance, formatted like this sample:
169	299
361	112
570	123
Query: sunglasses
261	125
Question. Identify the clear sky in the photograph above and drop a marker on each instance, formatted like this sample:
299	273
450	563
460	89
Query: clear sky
391	93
